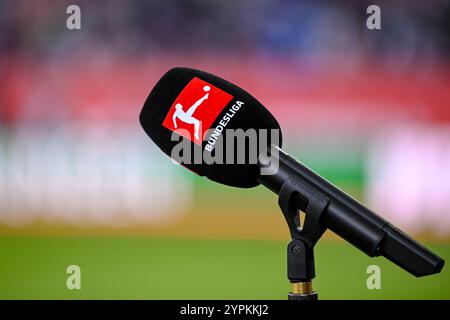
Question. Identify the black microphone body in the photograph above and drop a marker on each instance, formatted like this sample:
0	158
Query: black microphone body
350	219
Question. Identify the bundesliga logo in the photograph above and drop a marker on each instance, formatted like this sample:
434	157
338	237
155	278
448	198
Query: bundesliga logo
195	109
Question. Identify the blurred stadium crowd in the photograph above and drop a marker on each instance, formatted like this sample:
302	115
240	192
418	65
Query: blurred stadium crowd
72	151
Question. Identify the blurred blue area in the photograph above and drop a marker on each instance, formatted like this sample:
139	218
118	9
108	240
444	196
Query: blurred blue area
304	28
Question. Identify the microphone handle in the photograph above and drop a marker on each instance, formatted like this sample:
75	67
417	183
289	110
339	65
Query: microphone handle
349	219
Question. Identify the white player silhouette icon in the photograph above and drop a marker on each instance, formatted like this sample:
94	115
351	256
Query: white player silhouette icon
187	117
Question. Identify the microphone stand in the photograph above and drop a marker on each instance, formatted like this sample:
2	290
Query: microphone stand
300	251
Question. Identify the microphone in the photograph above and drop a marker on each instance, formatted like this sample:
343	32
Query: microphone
188	115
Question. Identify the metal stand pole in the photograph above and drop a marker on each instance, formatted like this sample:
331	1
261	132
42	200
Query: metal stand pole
300	272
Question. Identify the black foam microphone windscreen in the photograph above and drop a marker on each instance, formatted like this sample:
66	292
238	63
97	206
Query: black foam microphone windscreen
189	114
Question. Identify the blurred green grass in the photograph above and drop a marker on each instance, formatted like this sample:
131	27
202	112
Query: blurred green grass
147	268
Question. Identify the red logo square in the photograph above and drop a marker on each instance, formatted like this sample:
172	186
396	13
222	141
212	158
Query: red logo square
195	109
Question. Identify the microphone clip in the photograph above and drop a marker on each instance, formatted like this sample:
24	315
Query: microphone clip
296	195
